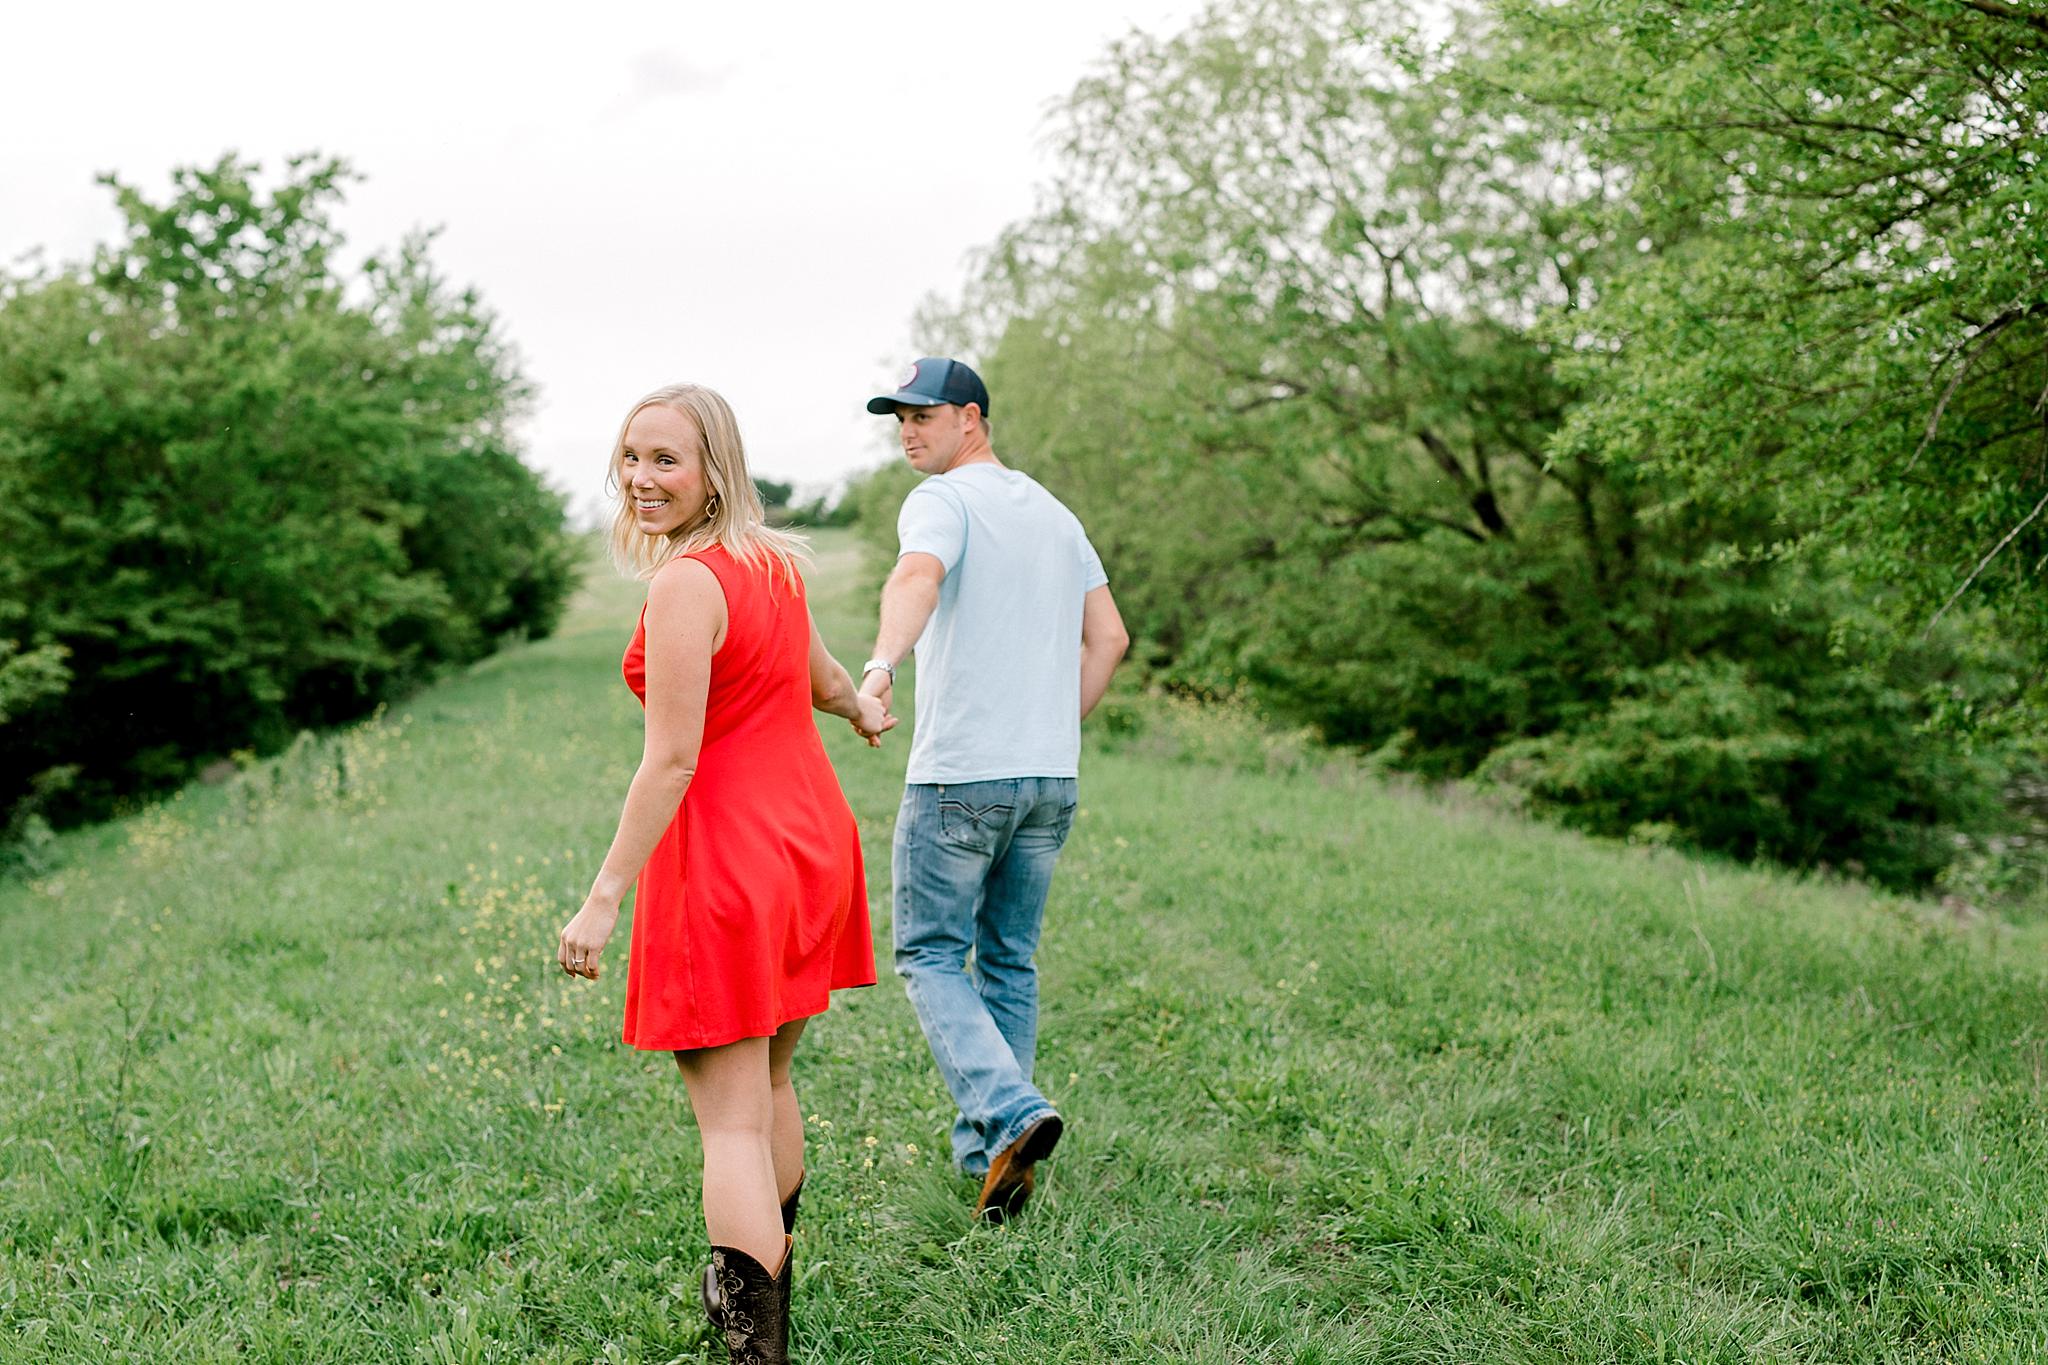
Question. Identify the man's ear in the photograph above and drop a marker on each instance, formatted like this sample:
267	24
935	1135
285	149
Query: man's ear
973	411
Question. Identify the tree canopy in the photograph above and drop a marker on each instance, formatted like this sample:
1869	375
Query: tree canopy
242	491
1839	304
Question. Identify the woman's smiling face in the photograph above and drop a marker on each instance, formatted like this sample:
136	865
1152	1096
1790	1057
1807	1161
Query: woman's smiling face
661	470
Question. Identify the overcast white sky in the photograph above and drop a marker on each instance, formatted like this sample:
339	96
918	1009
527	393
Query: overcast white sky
755	198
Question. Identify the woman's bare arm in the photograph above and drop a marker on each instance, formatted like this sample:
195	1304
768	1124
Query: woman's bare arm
685	626
833	692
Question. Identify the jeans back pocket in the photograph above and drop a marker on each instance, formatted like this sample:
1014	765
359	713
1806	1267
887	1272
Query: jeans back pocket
974	826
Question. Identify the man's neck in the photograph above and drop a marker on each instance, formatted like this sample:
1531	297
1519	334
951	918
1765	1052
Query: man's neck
978	452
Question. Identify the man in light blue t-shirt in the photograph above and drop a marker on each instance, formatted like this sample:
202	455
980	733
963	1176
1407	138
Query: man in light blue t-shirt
1016	636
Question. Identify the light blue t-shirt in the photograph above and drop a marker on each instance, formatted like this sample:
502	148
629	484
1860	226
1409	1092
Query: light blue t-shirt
999	663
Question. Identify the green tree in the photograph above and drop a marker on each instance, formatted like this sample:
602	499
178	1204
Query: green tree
240	492
1839	307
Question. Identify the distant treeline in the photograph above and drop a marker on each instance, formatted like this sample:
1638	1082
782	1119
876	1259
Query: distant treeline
243	492
779	499
1636	406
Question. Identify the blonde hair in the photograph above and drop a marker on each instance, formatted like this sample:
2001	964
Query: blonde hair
736	519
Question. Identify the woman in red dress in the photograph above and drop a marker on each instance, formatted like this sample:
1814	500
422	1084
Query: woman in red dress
751	905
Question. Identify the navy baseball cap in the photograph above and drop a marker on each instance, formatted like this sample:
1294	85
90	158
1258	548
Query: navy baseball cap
934	380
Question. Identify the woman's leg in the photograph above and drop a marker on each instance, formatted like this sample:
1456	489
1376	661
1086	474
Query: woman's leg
788	1141
735	1118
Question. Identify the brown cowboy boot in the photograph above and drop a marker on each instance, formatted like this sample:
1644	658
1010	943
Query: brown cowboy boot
753	1305
708	1291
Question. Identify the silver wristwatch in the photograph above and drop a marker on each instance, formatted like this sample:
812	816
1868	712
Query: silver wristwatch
872	664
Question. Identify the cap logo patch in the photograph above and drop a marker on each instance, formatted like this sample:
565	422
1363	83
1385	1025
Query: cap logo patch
908	379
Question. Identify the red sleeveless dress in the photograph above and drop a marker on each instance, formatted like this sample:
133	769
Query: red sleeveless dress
754	905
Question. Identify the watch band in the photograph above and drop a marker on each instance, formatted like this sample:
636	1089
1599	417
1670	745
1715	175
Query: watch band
872	664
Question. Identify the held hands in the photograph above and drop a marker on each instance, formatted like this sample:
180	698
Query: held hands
872	719
879	685
584	937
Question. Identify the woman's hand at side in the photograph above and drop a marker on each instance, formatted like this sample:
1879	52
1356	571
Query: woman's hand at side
584	937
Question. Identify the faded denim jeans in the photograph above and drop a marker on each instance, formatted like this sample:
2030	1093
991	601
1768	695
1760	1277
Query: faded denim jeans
973	862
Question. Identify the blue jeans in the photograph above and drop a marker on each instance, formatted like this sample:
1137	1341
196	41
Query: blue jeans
973	862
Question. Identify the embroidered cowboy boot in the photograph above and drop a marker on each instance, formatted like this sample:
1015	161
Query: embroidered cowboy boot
708	1290
753	1306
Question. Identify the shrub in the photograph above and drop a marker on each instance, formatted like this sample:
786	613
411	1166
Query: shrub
1707	753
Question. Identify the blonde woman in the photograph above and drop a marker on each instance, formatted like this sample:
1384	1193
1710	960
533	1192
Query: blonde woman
752	904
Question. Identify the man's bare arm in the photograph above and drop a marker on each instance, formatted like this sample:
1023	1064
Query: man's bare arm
908	600
1103	642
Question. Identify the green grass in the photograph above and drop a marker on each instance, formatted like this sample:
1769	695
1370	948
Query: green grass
1351	1075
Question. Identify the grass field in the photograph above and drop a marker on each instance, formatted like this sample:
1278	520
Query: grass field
1351	1075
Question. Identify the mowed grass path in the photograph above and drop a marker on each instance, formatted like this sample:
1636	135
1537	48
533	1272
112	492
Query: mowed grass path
1351	1075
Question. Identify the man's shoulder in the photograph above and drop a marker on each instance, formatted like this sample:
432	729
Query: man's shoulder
932	494
1046	503
1010	487
996	495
